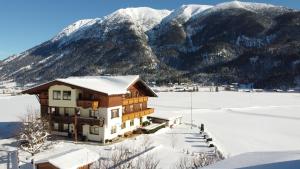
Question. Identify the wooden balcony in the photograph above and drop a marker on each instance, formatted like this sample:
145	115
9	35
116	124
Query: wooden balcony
44	102
138	114
81	120
88	104
134	100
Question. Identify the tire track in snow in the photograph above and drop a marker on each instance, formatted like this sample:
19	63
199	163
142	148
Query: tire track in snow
262	115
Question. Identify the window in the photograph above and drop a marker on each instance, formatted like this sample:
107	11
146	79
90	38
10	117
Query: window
113	129
55	127
123	126
114	113
92	97
131	122
131	108
94	130
80	96
94	114
66	127
67	95
56	95
141	106
55	111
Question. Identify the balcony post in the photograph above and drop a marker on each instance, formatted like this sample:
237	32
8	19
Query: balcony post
75	124
50	111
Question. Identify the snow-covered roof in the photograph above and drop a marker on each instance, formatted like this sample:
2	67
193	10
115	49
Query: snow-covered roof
106	84
110	85
71	159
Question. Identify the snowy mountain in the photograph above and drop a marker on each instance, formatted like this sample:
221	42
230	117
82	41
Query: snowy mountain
185	12
80	25
229	42
142	17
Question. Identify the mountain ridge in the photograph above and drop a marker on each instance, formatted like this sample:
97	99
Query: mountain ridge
192	43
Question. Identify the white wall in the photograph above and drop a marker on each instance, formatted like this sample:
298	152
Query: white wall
62	103
109	122
92	137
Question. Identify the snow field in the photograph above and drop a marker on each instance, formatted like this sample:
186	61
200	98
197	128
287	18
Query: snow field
240	122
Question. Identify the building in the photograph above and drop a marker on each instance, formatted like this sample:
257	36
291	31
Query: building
95	108
72	159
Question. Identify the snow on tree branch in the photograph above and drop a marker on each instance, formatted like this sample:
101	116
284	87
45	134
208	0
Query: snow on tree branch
34	132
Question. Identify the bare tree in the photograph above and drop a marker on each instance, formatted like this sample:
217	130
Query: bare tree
184	163
126	158
198	161
147	162
34	132
117	159
202	160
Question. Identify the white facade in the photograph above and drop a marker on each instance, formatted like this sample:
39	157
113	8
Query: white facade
105	132
112	127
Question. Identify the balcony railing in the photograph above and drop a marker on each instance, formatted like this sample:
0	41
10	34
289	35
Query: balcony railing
138	114
88	104
134	100
80	120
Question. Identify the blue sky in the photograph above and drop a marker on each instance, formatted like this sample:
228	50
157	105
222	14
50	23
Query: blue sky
26	23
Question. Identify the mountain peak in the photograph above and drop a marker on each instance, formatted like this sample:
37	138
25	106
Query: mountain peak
143	16
185	12
244	5
76	26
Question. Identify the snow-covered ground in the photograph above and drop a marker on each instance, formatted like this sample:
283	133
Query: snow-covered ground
261	160
239	123
262	123
178	142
